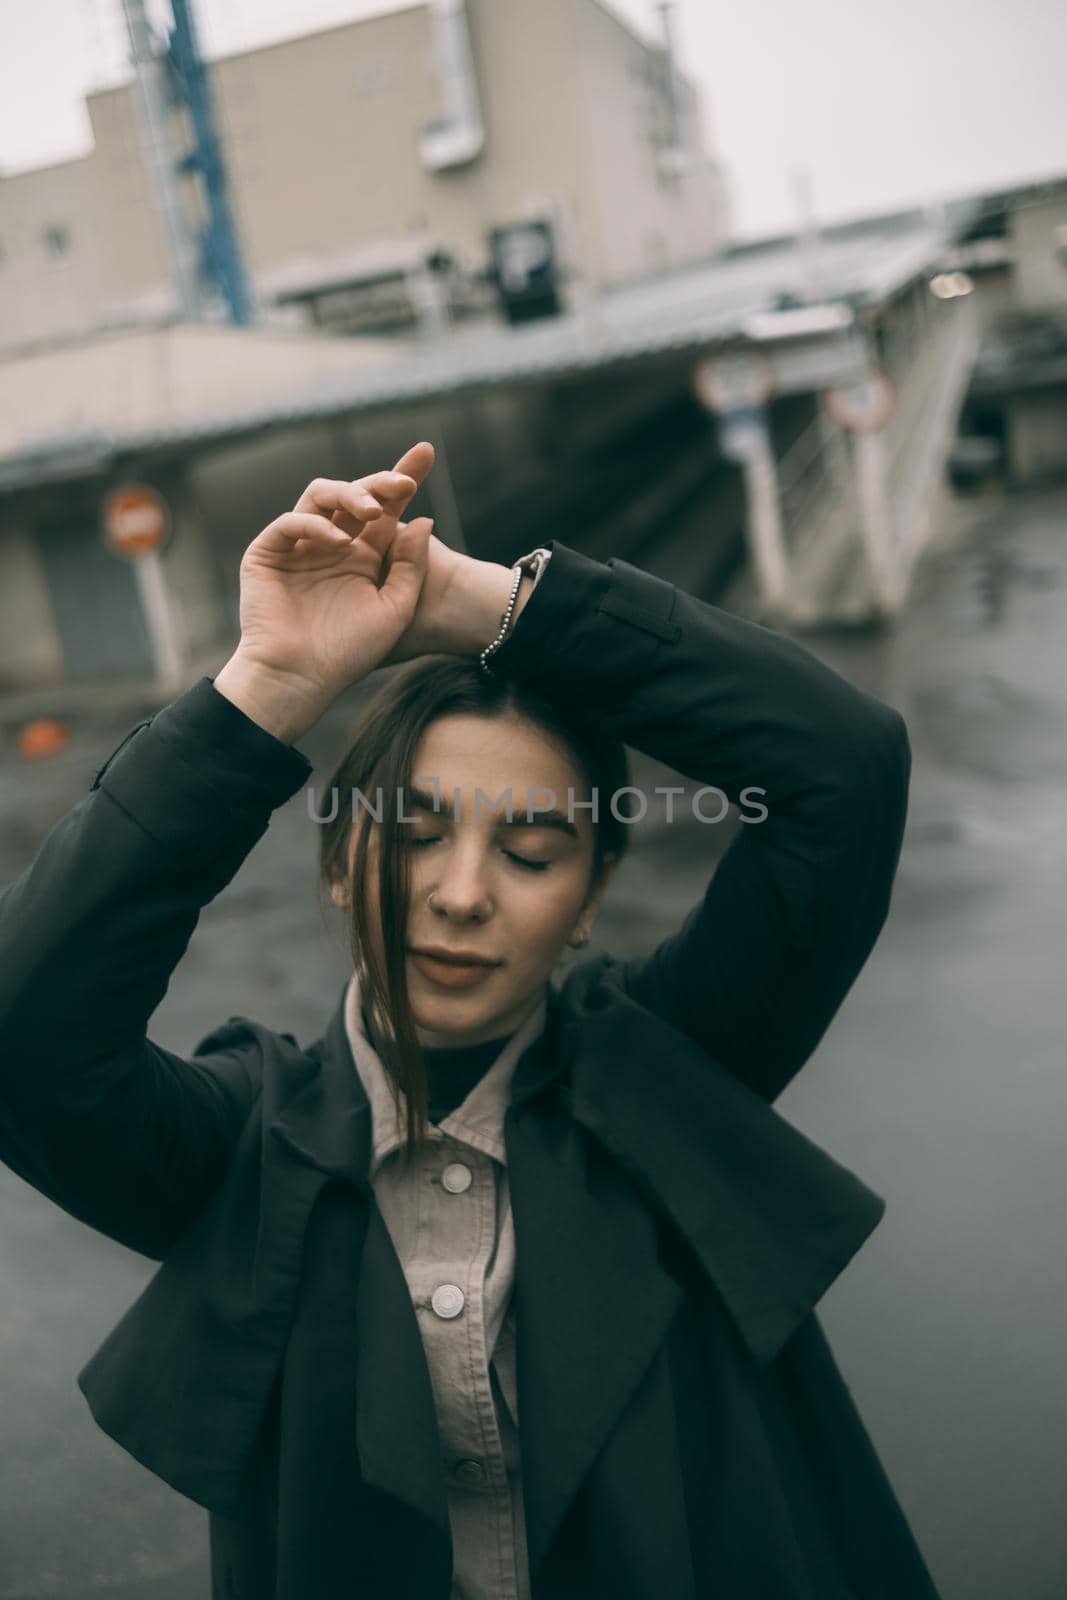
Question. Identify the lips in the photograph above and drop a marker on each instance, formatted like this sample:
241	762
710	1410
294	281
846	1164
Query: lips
450	973
457	958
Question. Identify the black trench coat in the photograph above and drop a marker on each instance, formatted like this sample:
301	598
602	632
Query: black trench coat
685	1431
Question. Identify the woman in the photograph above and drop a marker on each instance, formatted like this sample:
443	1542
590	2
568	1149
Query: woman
503	1287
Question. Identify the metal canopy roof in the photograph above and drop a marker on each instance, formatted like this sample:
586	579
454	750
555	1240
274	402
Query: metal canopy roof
693	308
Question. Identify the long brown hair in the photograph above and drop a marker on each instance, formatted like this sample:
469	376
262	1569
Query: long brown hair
377	764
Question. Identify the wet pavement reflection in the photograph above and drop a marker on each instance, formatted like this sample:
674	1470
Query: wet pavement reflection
943	1080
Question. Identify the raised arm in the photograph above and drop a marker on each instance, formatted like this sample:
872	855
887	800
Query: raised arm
125	1135
129	1137
761	964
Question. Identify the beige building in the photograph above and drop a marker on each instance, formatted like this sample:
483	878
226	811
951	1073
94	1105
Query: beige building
356	153
1017	408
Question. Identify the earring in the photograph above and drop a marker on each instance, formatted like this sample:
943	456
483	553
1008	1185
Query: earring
579	941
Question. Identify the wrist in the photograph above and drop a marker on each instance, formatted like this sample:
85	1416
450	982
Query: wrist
281	704
481	592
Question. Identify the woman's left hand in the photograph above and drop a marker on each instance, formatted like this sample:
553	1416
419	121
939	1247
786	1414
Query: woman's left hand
461	599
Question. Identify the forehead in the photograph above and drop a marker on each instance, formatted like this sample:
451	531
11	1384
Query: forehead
467	750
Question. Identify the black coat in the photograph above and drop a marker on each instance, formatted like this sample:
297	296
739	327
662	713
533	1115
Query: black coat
685	1431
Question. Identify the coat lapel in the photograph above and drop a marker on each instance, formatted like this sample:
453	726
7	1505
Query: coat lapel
593	1305
326	1126
770	1217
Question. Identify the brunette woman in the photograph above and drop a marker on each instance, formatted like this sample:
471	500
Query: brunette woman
505	1285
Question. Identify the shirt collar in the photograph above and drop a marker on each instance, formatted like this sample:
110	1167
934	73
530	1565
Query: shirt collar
478	1121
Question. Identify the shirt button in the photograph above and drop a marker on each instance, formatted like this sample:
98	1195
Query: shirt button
469	1472
456	1177
448	1300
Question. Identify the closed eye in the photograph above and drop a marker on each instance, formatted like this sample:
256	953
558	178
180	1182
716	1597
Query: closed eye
520	861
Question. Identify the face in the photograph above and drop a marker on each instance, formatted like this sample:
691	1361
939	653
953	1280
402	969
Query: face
514	893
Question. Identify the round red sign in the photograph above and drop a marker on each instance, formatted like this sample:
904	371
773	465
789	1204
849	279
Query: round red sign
135	520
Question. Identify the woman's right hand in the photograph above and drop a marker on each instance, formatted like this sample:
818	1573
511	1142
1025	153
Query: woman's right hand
313	617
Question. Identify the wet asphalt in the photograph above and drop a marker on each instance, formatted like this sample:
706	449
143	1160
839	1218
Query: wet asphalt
942	1082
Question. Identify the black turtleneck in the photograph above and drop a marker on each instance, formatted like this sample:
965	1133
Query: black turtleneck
452	1070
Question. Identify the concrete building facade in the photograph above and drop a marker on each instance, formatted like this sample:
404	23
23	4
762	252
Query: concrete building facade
345	168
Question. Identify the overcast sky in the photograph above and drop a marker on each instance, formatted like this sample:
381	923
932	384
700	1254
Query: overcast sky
883	104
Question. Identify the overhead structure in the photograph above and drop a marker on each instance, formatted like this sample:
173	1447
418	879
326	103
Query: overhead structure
152	104
220	251
204	263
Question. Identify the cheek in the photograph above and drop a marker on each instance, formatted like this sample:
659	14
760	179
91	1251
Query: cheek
545	910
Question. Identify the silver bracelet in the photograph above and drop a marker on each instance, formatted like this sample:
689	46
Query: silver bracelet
534	564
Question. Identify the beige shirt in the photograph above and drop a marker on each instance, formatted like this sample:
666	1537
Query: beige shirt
449	1217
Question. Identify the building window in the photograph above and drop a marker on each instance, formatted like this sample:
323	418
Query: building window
56	239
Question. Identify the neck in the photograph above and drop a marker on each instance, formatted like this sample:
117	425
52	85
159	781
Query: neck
457	1039
497	1027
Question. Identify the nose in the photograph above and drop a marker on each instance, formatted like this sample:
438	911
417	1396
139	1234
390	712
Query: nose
460	888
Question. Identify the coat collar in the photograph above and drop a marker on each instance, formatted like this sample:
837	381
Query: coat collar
769	1218
326	1121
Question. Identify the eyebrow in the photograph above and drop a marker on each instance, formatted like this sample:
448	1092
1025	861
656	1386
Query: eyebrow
424	801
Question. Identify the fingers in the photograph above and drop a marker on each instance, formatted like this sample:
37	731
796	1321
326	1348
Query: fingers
408	563
353	504
417	461
393	489
409	472
280	536
363	499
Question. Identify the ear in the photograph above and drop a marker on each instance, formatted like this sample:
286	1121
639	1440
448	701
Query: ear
584	926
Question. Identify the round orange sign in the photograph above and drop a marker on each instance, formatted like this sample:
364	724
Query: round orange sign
136	520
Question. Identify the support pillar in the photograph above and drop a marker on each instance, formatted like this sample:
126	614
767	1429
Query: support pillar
764	531
876	516
161	622
734	387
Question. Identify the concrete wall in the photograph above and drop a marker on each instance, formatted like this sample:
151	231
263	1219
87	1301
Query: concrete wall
321	136
535	157
1037	434
30	649
635	220
44	294
994	294
1039	240
133	237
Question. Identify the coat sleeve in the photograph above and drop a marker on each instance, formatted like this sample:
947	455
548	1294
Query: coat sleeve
125	1135
762	962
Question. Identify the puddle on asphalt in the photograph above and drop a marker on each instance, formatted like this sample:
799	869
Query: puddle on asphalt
998	571
991	566
982	723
